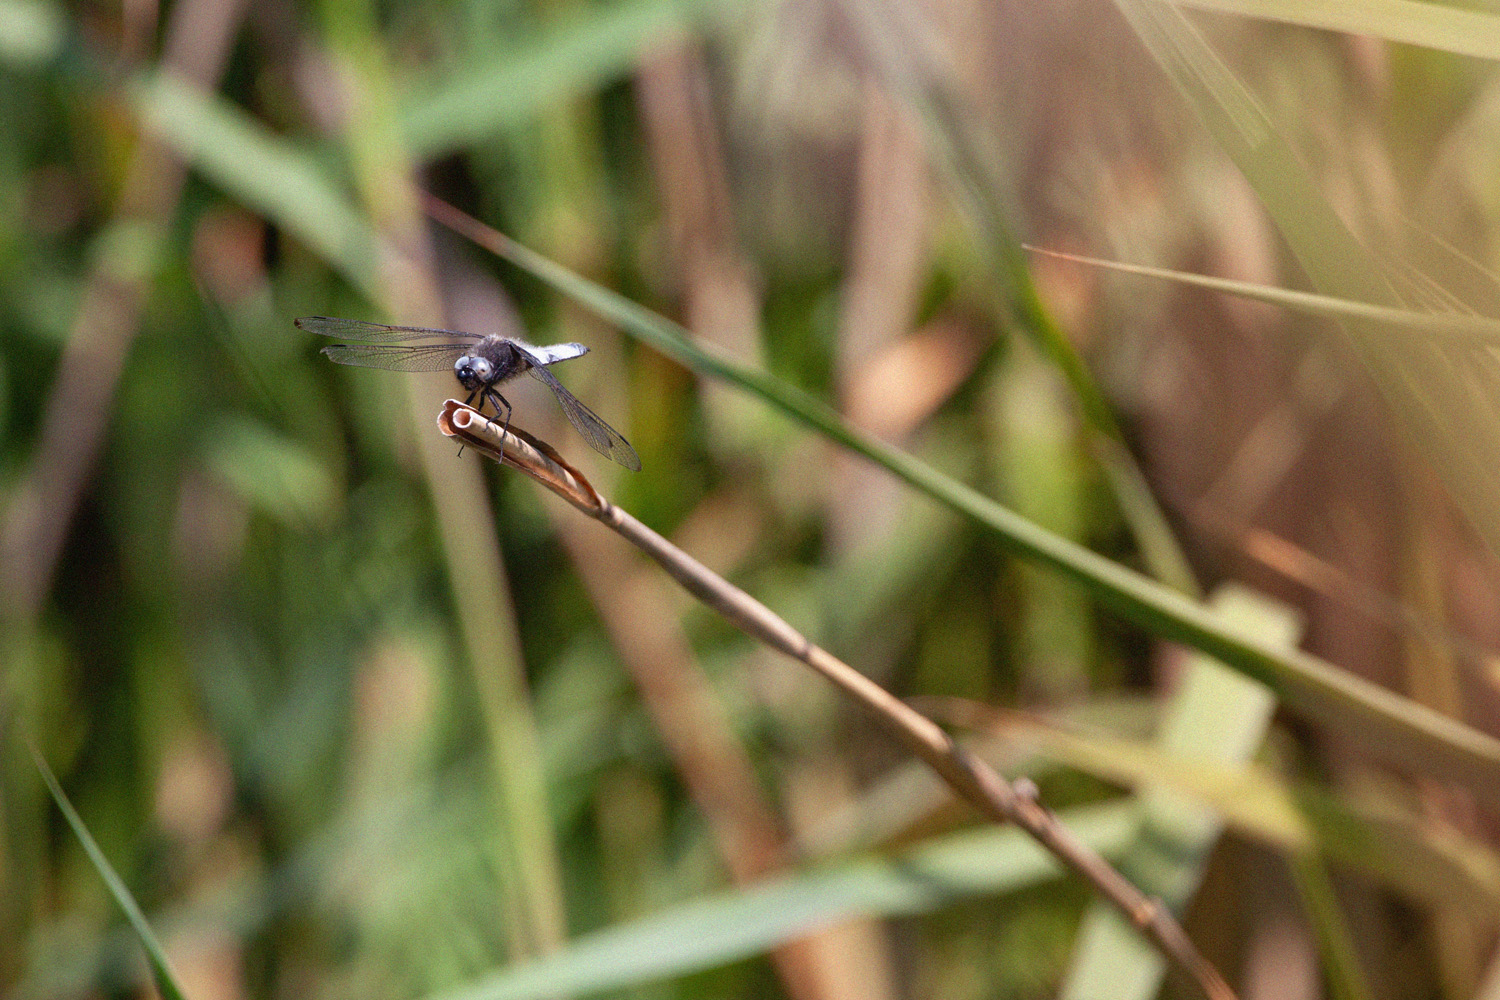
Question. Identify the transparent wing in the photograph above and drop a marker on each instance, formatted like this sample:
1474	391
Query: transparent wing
398	357
604	438
551	354
358	329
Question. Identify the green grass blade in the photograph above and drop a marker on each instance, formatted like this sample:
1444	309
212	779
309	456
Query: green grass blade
885	31
156	956
269	175
469	105
1218	717
713	932
1385	723
1346	978
1434	26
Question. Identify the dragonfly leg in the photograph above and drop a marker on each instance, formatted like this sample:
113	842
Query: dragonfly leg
498	401
486	396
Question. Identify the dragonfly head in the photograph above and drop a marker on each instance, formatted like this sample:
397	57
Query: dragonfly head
474	371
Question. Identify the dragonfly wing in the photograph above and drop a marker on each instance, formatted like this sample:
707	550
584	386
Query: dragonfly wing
604	438
358	329
398	357
551	354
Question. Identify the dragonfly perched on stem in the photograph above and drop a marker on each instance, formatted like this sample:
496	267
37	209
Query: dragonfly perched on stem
480	362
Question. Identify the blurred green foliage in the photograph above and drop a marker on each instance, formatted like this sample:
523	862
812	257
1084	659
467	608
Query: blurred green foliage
233	621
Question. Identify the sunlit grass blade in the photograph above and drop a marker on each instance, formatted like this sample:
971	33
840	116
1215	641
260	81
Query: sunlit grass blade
1432	25
714	932
1218	717
1386	319
1444	392
156	956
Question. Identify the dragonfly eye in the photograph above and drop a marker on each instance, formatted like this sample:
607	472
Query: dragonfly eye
473	372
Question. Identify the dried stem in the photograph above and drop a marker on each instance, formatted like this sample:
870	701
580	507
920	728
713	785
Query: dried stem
974	781
34	528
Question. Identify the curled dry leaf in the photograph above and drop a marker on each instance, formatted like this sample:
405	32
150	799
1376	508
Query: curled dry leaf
518	449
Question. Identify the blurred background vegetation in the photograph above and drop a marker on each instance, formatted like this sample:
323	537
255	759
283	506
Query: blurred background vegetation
354	716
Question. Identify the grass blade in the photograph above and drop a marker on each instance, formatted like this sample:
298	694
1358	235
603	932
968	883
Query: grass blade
1378	319
1444	392
499	89
156	956
272	176
713	932
1434	26
888	33
1217	715
1429	864
1220	718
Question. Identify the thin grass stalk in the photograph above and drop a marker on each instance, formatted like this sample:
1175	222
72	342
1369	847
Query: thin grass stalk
687	714
1346	979
973	780
1321	577
1461	328
635	606
406	285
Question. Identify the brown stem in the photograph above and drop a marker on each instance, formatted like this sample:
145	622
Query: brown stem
35	525
974	781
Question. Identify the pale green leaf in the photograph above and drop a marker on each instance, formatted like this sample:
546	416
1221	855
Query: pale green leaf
1215	716
717	931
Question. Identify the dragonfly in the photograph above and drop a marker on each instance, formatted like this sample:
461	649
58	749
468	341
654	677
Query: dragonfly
480	362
